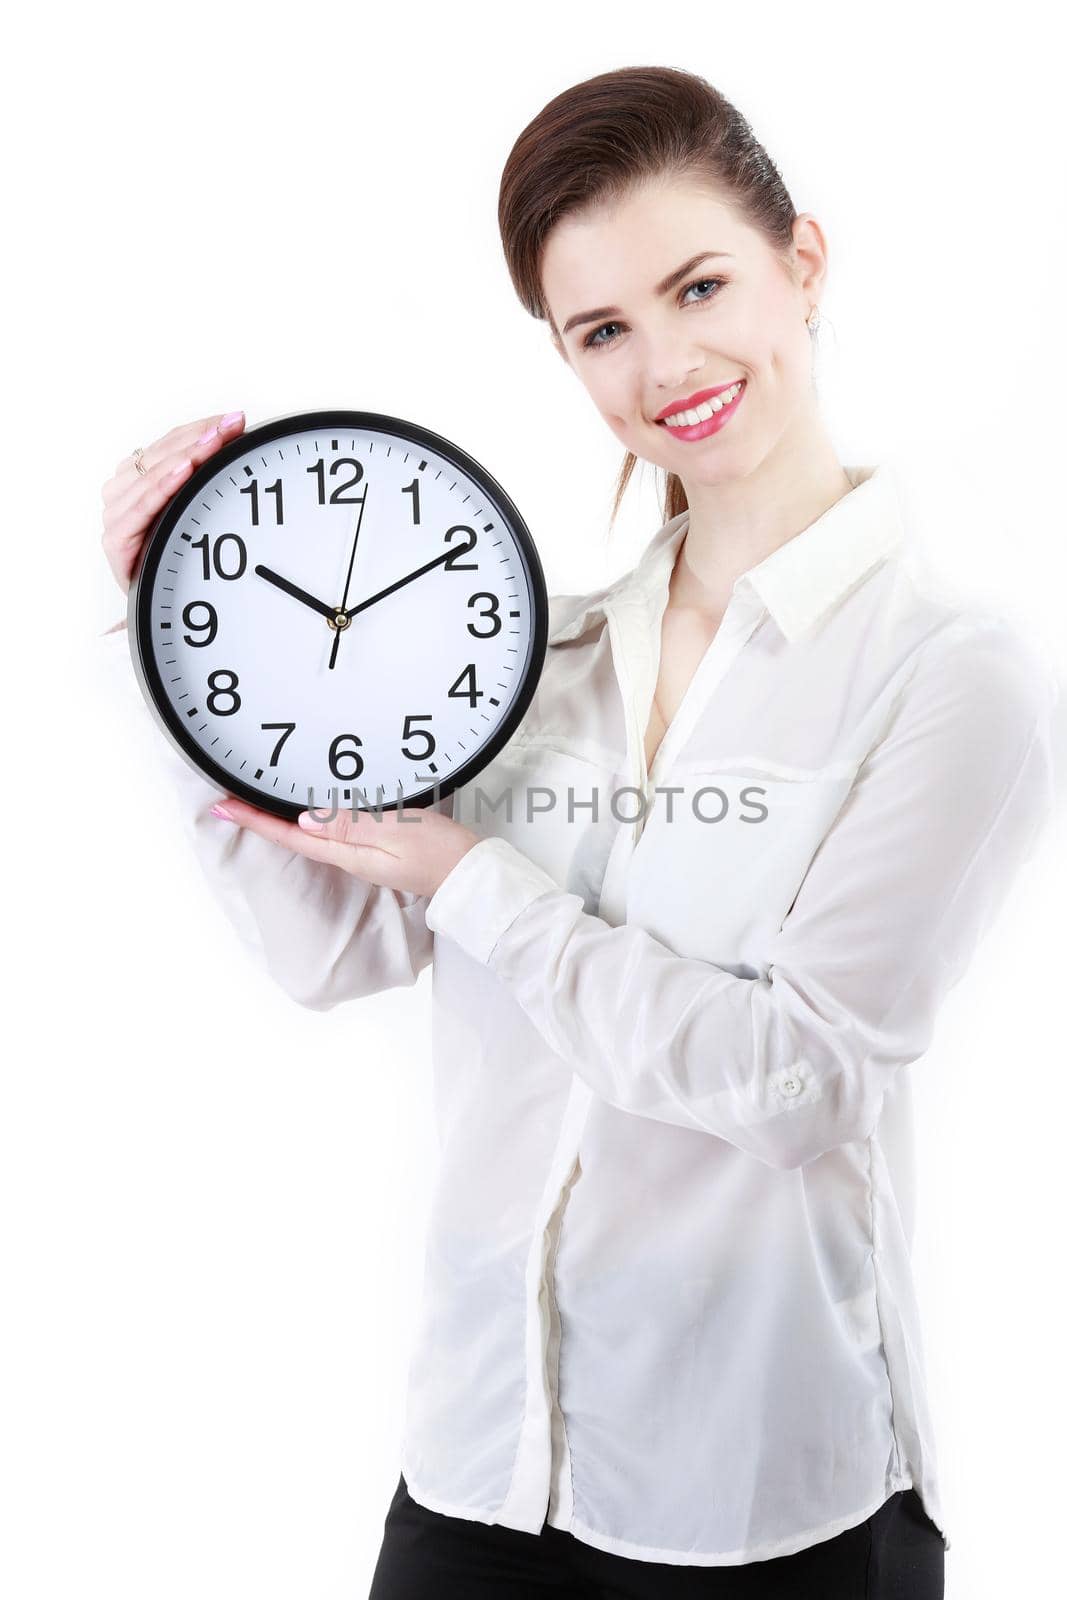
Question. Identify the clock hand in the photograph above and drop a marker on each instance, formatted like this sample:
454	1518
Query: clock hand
343	618
400	582
348	579
297	593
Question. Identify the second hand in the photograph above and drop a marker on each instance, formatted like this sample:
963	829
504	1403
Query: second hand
344	598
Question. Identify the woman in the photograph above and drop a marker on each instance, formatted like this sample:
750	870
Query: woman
669	1343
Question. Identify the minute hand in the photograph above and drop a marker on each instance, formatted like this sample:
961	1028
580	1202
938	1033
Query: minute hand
400	582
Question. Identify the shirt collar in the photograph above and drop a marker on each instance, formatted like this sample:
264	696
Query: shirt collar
798	583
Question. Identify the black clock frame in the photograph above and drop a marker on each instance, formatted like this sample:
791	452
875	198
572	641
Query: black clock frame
139	618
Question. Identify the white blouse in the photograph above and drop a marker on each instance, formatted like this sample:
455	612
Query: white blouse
668	1302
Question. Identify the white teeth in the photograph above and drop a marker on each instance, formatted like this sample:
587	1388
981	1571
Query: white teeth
686	419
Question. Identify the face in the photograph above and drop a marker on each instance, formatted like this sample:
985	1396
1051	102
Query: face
734	317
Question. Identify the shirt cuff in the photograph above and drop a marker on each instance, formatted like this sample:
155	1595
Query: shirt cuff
483	894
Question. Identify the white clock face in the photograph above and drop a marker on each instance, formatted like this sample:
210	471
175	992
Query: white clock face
340	608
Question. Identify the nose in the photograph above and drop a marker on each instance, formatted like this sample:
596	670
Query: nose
672	372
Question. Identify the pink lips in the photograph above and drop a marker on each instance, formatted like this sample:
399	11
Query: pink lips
701	430
695	400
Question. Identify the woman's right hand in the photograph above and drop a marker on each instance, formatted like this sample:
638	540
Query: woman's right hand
132	500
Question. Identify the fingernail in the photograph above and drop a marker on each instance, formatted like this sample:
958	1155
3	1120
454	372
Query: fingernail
306	820
220	811
230	418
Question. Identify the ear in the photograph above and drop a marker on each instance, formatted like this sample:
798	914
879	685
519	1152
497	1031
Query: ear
811	255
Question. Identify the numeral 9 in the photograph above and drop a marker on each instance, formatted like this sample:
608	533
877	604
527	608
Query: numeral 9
210	627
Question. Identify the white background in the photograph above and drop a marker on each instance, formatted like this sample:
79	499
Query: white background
211	1200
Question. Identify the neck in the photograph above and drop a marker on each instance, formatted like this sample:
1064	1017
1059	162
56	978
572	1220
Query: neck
735	525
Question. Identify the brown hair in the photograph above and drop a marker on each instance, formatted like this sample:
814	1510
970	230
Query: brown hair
597	140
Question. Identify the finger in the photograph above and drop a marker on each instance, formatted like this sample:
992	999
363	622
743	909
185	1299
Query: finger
195	440
358	828
124	517
364	842
151	456
125	527
265	823
346	842
180	437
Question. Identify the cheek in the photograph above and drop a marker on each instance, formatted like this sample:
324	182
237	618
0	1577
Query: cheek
790	365
782	351
622	430
613	397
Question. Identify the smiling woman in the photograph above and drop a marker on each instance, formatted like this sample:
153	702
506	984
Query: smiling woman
612	181
669	1342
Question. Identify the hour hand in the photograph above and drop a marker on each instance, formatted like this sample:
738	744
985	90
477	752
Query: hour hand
296	592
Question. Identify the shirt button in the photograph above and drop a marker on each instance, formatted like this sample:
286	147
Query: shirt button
791	1082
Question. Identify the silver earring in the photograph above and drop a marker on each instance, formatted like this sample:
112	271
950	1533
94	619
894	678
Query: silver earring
813	320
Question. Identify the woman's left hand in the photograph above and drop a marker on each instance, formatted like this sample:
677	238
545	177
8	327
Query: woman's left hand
414	849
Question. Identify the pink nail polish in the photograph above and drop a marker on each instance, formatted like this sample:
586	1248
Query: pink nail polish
220	811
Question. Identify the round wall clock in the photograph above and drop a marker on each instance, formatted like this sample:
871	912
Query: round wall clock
339	608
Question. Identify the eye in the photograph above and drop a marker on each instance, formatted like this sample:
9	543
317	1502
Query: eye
593	342
698	283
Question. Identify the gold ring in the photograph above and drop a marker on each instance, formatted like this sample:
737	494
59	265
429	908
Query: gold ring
137	454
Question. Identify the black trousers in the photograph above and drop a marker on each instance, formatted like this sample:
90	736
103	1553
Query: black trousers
897	1554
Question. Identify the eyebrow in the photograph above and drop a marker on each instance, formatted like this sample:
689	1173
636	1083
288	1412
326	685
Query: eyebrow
661	288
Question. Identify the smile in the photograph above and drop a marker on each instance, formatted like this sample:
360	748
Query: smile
707	418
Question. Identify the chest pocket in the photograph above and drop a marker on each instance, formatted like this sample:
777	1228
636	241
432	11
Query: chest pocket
717	876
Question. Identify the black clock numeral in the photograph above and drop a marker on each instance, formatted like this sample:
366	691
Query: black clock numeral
252	491
226	691
472	694
214	558
338	497
412	489
409	731
288	726
452	565
493	613
211	626
337	756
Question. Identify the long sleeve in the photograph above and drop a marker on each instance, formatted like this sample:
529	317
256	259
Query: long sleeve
944	810
322	934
